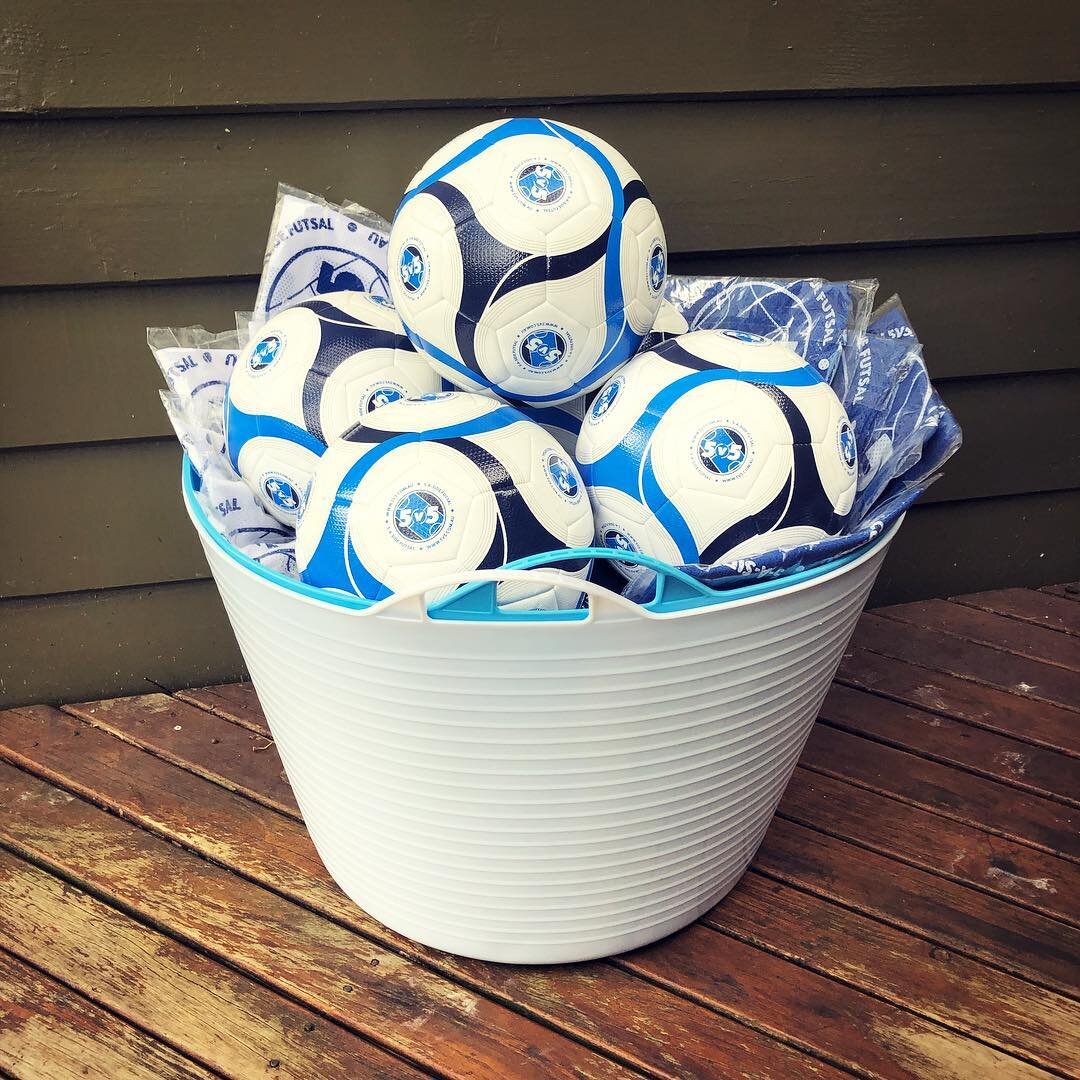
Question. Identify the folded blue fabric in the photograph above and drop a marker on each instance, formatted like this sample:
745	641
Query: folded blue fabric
824	320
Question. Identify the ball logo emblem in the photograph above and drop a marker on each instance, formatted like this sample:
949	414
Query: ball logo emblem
264	353
847	445
281	493
619	541
381	396
722	451
745	337
605	399
419	516
562	475
412	268
657	268
542	350
541	184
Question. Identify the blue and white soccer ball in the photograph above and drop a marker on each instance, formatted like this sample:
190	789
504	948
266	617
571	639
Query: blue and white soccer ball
527	257
311	372
447	483
714	446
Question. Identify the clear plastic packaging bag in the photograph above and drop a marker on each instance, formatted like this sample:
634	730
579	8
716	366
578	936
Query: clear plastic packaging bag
197	366
318	247
823	320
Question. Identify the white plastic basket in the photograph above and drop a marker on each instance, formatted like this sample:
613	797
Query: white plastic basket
539	788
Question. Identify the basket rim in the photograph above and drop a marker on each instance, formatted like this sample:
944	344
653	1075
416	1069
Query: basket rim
340	600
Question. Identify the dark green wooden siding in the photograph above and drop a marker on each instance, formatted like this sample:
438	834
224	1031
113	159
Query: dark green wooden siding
930	145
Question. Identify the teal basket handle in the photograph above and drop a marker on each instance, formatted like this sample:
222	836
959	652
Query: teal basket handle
478	600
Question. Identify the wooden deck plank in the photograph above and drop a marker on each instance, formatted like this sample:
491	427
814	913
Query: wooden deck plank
225	752
591	1001
979	803
154	728
953	990
942	912
1008	714
952	742
1070	590
363	986
1011	872
999	632
1028	605
228	1022
1027	679
236	702
48	1032
857	1031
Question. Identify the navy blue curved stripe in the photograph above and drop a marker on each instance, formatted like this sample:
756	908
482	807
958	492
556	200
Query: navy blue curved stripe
241	427
540	268
632	192
518	533
327	310
336	344
765	520
809	500
801	374
488	261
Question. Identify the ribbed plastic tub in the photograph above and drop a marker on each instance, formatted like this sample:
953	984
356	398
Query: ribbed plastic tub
539	788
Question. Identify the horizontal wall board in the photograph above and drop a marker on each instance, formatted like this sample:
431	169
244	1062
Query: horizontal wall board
65	55
944	549
100	644
92	645
97	200
1020	434
981	309
96	517
108	515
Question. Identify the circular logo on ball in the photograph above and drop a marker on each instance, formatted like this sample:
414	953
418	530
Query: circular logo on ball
264	352
382	395
617	540
413	267
562	475
540	183
722	451
542	348
657	267
848	453
281	493
419	516
745	337
604	401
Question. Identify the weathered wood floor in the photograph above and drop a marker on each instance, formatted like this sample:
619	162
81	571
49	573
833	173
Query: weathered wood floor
914	910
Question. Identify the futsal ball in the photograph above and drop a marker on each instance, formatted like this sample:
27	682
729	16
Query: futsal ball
527	257
448	483
311	373
716	445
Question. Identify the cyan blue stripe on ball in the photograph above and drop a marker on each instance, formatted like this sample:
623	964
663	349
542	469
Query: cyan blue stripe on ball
485	348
